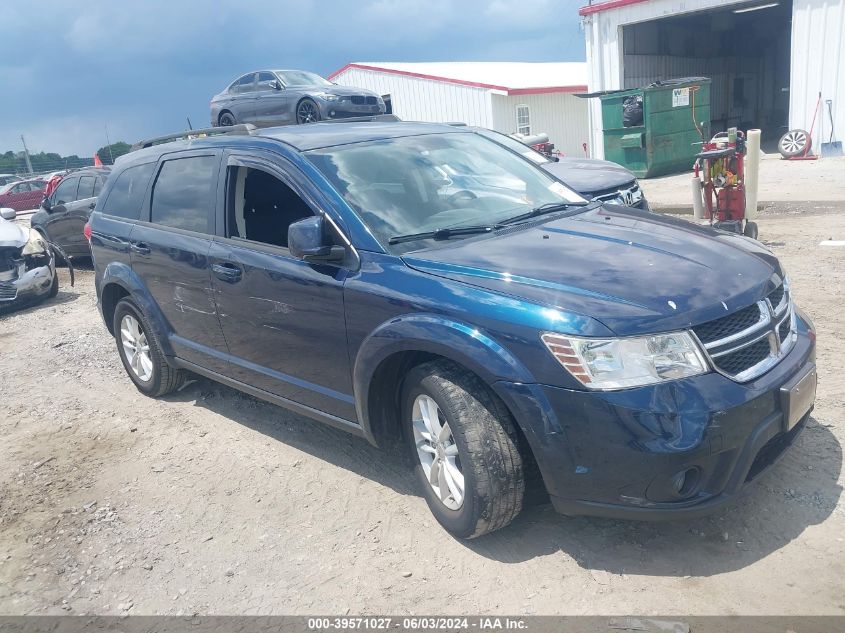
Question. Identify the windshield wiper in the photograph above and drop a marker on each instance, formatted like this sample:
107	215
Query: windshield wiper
549	207
440	234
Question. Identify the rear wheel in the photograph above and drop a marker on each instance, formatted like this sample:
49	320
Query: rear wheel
307	112
141	353
750	230
795	143
464	448
226	119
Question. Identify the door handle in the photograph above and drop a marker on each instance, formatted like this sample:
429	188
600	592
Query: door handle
92	205
140	247
227	272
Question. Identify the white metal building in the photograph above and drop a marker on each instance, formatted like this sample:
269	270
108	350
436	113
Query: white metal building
509	97
768	59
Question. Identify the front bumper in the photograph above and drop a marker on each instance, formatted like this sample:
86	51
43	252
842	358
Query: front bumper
345	110
29	287
620	454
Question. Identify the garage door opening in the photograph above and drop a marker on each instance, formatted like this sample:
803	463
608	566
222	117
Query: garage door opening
746	54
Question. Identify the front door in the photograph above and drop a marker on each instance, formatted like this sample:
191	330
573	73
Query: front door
271	104
169	252
283	318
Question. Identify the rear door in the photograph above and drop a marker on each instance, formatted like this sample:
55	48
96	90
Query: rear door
169	252
76	213
243	105
283	318
271	104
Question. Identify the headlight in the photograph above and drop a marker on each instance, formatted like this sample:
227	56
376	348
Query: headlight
325	96
617	363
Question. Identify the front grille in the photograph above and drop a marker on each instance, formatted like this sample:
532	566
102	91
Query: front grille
358	99
776	296
728	325
612	192
784	329
7	291
744	358
372	101
749	342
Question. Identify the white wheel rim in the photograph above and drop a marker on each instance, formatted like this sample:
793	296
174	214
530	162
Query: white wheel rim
437	452
136	348
794	141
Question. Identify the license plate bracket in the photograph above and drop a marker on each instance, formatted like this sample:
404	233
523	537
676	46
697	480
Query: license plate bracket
797	397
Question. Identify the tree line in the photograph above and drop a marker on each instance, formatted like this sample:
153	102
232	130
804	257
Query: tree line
15	162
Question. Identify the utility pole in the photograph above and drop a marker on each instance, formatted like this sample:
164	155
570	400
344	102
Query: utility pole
108	144
26	155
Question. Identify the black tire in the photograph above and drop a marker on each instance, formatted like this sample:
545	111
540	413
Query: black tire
307	112
54	287
226	119
750	230
795	143
165	379
486	440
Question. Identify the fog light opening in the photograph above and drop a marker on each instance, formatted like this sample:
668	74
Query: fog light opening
685	483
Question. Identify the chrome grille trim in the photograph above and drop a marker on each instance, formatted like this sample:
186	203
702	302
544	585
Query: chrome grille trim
763	321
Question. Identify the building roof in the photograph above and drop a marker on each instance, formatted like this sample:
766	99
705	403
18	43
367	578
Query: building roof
512	78
606	6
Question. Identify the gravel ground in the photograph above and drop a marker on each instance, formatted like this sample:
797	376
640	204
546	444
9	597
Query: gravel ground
211	502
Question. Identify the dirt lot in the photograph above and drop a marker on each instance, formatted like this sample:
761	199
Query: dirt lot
212	502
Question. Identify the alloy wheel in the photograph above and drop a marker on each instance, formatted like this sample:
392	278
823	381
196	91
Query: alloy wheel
794	141
136	348
307	112
437	452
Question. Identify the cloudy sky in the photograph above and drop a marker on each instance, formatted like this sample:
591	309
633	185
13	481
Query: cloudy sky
69	68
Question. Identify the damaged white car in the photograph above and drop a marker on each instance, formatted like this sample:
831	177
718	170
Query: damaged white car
27	265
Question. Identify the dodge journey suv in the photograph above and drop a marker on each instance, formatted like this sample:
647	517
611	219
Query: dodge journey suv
419	283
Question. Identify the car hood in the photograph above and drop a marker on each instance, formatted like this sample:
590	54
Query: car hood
341	91
12	234
634	271
586	175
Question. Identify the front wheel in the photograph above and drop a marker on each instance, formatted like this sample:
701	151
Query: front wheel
227	119
307	112
464	448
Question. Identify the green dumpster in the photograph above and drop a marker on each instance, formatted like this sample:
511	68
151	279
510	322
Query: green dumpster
667	140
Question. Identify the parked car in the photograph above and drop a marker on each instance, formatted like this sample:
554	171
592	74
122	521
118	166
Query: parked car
27	267
5	179
282	97
592	178
23	195
62	215
639	365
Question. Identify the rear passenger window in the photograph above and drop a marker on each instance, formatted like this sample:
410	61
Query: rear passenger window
183	194
127	193
66	191
86	188
98	186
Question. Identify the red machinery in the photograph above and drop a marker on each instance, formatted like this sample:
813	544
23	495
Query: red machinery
721	169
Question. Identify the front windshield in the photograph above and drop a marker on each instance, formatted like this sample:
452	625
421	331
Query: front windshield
415	184
515	146
293	78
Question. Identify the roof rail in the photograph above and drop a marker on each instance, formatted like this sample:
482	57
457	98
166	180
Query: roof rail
384	118
242	129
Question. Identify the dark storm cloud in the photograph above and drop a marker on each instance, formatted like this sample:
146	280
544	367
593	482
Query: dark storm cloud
69	68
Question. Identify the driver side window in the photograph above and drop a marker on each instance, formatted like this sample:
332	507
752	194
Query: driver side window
260	207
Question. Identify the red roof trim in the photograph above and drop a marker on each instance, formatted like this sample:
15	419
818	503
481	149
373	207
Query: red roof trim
474	84
606	6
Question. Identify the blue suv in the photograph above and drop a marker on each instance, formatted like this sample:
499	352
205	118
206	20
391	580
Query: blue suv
422	284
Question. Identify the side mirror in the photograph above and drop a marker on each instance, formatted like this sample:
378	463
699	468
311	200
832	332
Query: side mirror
276	85
307	241
46	205
8	214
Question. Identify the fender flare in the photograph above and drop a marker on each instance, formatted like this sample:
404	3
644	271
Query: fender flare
460	342
122	275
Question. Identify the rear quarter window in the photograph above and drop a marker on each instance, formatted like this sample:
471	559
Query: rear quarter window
127	193
183	194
